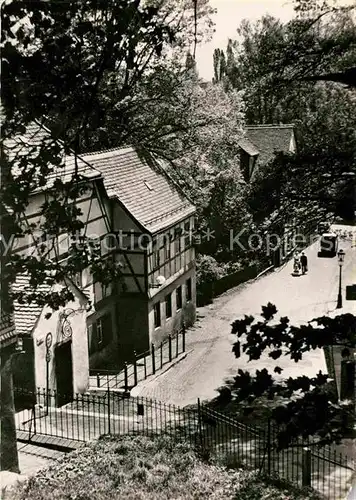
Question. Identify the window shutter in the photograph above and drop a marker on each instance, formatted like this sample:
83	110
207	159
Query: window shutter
107	329
92	338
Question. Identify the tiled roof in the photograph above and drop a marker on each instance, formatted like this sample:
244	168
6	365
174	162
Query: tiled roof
7	328
247	146
26	315
141	184
29	144
269	139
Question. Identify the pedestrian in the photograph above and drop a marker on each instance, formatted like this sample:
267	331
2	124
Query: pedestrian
304	263
296	263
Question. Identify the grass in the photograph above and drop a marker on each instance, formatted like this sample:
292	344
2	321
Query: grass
147	468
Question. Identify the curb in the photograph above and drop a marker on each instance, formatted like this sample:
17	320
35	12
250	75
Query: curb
50	442
135	391
265	271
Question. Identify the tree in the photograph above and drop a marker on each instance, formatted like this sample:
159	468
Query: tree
303	407
8	453
65	64
270	55
270	64
109	48
204	161
195	127
228	214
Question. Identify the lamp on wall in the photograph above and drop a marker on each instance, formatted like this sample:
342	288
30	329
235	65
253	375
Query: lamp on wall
160	280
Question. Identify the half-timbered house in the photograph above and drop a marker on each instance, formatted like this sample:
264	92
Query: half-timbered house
137	216
55	349
153	224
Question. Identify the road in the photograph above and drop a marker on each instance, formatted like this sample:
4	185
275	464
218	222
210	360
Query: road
210	361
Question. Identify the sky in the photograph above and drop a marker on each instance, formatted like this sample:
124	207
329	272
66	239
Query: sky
228	17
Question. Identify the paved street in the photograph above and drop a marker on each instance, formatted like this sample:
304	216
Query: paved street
210	360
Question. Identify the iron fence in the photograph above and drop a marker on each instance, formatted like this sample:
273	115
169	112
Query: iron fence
304	464
215	435
88	416
143	365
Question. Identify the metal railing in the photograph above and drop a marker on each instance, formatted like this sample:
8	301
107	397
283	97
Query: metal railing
143	365
212	433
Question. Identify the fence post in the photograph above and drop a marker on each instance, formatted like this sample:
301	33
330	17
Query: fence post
97	380
170	347
269	447
177	344
306	467
200	425
145	366
109	427
153	359
126	381
183	333
161	354
33	420
135	368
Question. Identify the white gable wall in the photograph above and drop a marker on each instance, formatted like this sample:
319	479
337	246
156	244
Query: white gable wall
80	356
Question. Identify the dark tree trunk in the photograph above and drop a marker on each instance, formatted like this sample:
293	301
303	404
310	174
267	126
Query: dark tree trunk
9	457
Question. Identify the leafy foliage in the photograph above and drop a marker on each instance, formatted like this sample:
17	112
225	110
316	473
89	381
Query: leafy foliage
302	406
208	269
196	128
268	65
110	49
153	468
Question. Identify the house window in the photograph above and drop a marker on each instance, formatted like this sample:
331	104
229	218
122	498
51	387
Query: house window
188	289
157	314
187	235
99	334
177	245
99	331
179	297
156	259
167	250
155	255
168	306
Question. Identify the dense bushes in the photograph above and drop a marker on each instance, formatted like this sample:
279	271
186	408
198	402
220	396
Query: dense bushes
214	278
208	270
142	468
